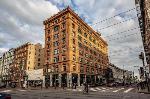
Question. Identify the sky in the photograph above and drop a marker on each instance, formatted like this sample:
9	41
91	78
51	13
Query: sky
22	21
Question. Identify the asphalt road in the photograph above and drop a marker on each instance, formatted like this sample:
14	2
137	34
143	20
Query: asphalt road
94	93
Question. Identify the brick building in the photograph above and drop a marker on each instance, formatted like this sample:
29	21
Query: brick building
74	52
26	57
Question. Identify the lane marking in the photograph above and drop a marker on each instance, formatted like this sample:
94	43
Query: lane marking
118	90
98	89
92	89
6	91
128	90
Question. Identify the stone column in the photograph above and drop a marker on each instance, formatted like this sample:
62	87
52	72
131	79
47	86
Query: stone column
78	79
51	83
44	81
59	78
69	80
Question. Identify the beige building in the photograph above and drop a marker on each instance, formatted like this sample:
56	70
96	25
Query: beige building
27	57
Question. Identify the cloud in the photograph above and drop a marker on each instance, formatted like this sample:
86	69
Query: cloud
22	21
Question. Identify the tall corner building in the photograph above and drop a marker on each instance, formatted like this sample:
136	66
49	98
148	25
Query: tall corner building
74	52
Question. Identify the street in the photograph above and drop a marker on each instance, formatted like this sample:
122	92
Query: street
94	93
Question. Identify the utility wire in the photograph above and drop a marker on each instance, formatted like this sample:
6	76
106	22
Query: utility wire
125	36
116	23
121	50
113	16
122	32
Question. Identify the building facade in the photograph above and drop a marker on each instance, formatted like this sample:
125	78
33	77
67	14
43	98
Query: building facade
27	57
121	75
143	9
74	51
6	62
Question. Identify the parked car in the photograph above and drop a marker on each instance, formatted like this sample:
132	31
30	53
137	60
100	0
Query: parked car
5	96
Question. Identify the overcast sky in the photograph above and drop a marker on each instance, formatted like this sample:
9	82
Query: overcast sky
21	21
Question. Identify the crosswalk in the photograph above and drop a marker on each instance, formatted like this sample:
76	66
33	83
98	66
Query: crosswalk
104	89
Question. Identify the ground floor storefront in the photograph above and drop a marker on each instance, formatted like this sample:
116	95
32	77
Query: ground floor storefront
71	79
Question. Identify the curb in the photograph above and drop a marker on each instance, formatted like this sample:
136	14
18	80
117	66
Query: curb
144	92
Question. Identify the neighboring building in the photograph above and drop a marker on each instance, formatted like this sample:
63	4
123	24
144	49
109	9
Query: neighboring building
6	61
0	68
120	75
27	57
74	51
39	56
143	10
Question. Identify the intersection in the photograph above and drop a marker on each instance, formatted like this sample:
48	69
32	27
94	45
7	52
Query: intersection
94	93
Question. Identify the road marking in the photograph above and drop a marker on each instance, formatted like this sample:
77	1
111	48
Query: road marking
118	90
79	89
128	90
98	89
103	88
92	89
6	91
21	90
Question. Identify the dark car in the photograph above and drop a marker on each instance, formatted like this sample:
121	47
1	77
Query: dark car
5	96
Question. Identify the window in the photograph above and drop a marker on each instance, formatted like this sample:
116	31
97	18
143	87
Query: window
56	36
79	31
38	59
56	28
48	24
48	31
80	52
79	38
86	55
74	67
56	21
48	39
48	46
80	45
73	26
90	38
63	33
64	67
85	41
56	43
63	49
82	69
73	49
63	17
38	64
73	40
63	25
94	41
73	34
85	35
56	51
74	58
28	62
56	59
63	40
63	58
80	59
